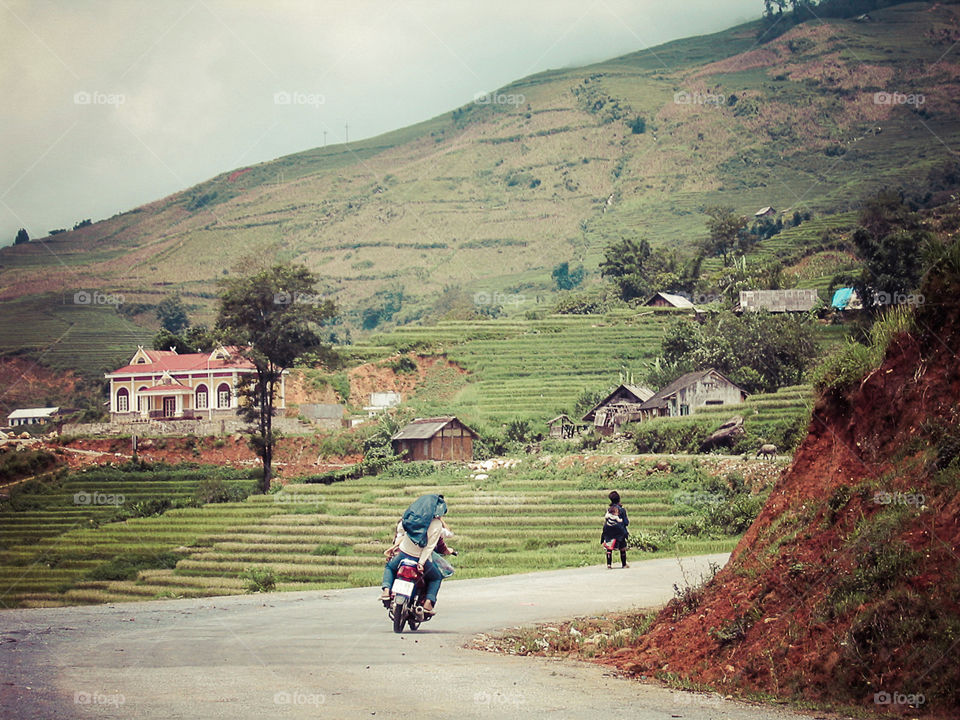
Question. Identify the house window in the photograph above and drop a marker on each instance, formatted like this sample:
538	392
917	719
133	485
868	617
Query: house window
223	396
684	409
201	398
123	400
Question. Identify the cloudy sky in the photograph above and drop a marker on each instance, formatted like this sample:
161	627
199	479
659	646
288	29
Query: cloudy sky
108	105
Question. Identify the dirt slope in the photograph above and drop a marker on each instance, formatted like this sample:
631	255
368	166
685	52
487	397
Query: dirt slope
846	586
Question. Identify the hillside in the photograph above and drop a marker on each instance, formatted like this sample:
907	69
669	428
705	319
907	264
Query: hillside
491	196
846	587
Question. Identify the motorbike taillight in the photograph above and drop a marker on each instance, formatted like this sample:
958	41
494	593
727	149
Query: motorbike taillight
408	572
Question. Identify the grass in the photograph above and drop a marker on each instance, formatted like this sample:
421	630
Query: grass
532	517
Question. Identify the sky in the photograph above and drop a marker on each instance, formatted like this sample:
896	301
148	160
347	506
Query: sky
108	105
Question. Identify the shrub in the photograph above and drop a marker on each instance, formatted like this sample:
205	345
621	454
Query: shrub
218	490
259	579
127	566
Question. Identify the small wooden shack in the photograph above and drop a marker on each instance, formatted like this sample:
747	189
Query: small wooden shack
619	407
439	438
662	299
562	427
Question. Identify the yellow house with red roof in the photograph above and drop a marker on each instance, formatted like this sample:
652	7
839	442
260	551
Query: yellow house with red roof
165	385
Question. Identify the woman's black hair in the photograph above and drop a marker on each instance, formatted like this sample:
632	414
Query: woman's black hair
614	497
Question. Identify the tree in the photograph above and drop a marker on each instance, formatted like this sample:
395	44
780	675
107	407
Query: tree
22	237
564	278
172	314
273	316
758	351
627	262
726	230
889	240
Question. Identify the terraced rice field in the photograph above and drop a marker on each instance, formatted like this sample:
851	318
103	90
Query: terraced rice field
535	369
532	517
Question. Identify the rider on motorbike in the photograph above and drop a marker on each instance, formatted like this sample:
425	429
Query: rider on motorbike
419	533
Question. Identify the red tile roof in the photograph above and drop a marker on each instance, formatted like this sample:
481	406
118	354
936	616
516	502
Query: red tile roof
169	361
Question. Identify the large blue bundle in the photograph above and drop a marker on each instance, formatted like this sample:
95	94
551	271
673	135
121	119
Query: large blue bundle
420	514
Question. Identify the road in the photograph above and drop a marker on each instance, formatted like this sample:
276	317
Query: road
333	654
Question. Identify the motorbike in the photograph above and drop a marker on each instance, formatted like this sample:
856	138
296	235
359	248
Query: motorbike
406	603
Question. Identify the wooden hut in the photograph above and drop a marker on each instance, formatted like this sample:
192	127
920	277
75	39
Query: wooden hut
439	438
562	427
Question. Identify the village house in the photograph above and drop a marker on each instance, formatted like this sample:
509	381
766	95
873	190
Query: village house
630	403
688	393
662	299
619	407
165	385
439	438
32	416
765	212
779	301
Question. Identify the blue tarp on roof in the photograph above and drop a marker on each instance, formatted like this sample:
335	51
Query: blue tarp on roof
841	298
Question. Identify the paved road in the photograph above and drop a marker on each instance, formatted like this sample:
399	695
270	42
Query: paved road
334	654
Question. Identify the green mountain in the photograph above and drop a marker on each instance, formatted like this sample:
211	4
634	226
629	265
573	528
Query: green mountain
491	196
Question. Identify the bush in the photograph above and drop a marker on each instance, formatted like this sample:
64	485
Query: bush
128	565
218	490
669	436
259	579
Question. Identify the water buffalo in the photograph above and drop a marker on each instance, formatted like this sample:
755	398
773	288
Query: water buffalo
768	451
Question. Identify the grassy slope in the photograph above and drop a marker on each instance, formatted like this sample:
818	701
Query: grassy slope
364	215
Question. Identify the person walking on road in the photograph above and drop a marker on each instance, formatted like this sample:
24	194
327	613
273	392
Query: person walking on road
615	532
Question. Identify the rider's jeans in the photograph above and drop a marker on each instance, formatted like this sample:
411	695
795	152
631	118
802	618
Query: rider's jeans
431	575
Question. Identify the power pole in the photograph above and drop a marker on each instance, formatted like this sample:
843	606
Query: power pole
346	132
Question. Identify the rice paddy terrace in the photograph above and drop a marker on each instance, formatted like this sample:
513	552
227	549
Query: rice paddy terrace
312	536
535	369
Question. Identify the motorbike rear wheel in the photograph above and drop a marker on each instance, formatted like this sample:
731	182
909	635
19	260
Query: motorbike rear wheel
412	621
400	612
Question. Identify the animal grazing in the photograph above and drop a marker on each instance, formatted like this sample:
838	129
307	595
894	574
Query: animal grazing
768	451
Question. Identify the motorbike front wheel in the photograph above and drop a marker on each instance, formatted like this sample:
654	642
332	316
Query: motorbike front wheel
400	612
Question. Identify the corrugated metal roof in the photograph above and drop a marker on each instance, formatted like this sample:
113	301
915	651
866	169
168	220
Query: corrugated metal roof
32	412
426	428
678	301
